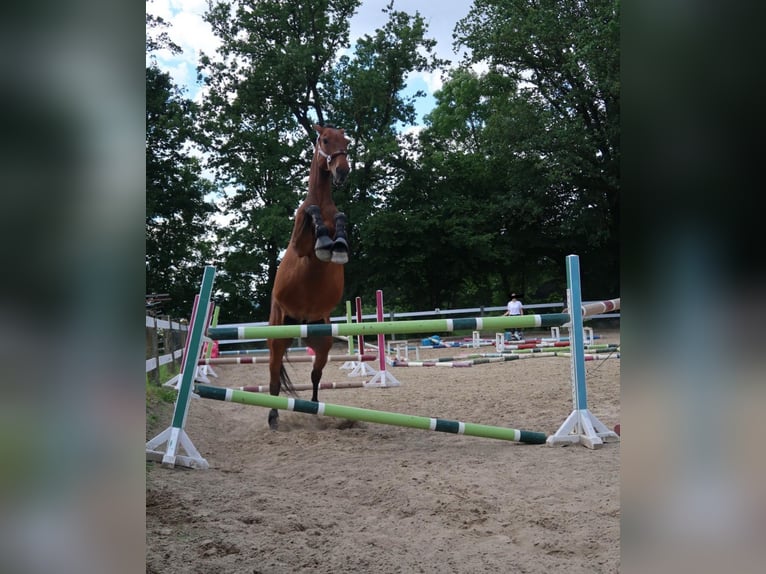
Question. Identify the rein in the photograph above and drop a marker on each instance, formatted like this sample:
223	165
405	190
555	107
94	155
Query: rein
329	156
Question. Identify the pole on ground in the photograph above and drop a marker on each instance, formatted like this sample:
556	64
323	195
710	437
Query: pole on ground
369	415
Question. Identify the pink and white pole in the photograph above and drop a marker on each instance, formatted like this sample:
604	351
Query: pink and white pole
360	341
359	368
204	370
175	381
383	378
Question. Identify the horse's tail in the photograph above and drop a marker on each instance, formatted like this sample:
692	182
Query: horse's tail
285	384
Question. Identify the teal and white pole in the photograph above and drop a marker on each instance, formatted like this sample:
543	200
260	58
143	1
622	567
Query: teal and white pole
581	426
175	434
577	337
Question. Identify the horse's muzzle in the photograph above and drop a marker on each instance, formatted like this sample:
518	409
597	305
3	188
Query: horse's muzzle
339	175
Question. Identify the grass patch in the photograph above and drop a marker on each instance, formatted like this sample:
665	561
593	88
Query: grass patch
167	372
159	399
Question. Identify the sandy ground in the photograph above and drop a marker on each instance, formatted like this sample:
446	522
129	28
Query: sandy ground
330	496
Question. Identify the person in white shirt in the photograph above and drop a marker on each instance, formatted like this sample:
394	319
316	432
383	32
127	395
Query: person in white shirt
515	308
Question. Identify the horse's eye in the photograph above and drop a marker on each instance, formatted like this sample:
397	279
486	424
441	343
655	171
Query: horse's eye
325	141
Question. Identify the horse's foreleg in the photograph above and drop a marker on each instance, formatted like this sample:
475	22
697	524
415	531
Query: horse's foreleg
316	376
324	243
321	346
340	245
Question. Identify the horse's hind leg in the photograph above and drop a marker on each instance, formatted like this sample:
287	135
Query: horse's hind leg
277	348
321	346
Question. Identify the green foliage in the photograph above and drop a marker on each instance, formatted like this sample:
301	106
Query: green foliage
517	167
555	122
177	213
159	399
276	75
157	37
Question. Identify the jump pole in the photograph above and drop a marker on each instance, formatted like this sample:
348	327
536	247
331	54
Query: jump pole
350	339
368	415
305	387
360	368
265	360
382	378
199	375
349	365
581	426
248	352
389	327
175	434
175	381
358	309
203	370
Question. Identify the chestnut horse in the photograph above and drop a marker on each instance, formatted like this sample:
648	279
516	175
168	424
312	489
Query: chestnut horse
309	281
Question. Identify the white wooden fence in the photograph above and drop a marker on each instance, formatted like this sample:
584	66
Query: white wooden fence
164	344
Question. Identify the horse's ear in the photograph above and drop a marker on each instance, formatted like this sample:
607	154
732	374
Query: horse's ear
318	128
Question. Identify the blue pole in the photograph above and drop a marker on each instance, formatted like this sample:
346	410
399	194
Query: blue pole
574	302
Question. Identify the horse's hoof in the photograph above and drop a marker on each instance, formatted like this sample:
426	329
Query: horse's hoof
340	251
339	257
273	420
324	255
323	248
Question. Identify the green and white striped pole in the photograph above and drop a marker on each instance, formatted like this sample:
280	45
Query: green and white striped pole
389	327
368	415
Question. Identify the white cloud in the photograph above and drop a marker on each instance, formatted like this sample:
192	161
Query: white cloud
193	35
480	68
432	80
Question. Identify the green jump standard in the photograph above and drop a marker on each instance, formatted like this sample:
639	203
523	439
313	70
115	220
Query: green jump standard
368	415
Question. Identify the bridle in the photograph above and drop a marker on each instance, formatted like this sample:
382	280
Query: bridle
329	156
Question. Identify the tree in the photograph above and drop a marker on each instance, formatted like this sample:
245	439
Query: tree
177	213
466	208
279	52
563	56
367	96
157	36
265	90
275	75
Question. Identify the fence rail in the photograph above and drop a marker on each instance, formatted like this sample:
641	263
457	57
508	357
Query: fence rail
164	345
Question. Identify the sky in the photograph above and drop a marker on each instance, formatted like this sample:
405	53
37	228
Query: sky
193	35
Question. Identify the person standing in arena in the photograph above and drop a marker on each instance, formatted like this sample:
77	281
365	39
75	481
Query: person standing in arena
515	308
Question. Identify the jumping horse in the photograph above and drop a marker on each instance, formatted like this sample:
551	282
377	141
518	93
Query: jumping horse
309	280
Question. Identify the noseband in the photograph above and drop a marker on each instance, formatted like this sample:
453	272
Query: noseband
329	156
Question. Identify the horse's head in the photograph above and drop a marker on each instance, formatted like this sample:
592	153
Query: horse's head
331	145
